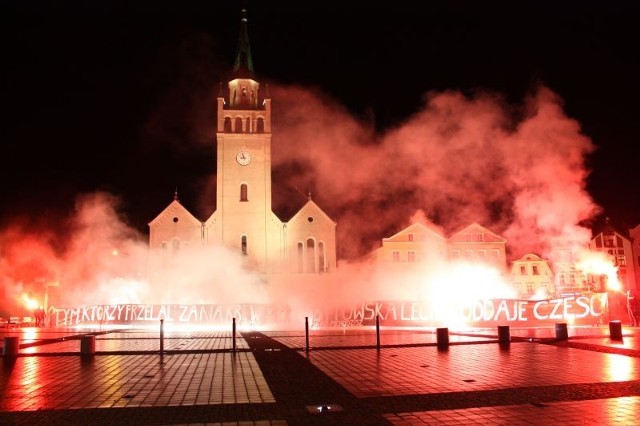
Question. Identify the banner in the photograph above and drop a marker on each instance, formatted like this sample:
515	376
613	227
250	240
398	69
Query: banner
588	309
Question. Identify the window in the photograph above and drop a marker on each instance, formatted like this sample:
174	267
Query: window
243	192
238	126
227	124
468	254
523	270
300	257
410	237
455	255
260	125
412	256
244	245
395	256
535	270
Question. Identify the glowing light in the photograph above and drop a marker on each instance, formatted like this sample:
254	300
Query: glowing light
28	302
598	264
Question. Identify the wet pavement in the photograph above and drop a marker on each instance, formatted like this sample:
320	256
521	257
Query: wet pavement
351	376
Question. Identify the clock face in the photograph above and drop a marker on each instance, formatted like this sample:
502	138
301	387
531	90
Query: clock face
243	158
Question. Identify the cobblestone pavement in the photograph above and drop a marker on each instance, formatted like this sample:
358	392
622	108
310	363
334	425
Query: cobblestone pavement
329	376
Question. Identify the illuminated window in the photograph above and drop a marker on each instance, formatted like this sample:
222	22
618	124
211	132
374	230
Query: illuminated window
244	245
395	256
243	192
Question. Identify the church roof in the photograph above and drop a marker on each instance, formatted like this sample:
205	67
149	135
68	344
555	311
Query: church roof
243	65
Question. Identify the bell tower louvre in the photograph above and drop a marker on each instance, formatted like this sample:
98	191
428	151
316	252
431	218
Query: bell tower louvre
243	221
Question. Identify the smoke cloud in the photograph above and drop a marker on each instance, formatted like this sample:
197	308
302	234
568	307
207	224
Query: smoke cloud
519	170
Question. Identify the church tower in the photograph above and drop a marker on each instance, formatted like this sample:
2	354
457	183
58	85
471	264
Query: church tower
243	219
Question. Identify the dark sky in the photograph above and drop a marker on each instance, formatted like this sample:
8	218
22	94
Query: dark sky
110	95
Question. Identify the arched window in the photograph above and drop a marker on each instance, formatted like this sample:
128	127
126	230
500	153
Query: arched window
300	257
238	126
227	124
248	125
243	192
311	255
321	257
244	245
260	125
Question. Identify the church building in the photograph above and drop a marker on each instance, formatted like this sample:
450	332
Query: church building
243	220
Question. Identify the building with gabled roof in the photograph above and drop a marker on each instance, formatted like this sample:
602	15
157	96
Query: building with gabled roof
243	220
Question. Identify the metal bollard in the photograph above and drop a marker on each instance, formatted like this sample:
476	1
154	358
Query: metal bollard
504	335
442	335
377	332
161	336
233	335
615	330
10	346
306	333
88	345
561	331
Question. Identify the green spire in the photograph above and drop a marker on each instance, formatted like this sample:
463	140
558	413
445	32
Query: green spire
243	66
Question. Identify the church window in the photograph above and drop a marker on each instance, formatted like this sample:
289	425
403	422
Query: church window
300	257
243	192
244	245
311	255
260	125
238	126
321	257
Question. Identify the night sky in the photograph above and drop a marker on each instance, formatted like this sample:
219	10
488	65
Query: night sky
119	96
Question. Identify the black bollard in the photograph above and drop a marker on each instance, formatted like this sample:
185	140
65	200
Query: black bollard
88	345
233	335
306	333
442	335
615	330
504	336
561	331
161	336
10	346
377	332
